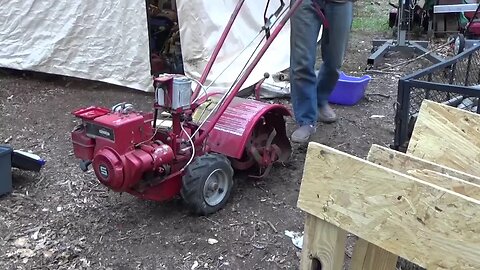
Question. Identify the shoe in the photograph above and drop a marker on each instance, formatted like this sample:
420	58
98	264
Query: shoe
303	133
326	114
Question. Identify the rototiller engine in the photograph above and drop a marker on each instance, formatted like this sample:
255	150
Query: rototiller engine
194	150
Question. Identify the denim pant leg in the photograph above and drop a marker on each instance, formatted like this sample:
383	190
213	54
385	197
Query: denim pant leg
333	45
305	28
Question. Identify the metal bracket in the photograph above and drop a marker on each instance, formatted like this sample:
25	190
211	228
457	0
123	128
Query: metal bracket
418	47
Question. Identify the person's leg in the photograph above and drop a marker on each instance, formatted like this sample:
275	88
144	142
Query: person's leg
305	27
334	45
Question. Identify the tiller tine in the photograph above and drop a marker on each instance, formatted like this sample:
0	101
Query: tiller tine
265	173
270	138
271	153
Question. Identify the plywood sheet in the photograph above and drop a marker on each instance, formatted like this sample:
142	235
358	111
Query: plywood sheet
448	136
455	184
402	163
423	223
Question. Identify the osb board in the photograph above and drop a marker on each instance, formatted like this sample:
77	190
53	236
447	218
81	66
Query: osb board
402	163
452	183
431	226
447	136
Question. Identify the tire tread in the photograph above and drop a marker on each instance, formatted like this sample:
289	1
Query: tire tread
192	182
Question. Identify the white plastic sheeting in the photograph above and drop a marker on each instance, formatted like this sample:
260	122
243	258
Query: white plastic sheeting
97	40
201	25
108	40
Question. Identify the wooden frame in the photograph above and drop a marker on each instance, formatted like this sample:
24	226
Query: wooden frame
419	221
398	204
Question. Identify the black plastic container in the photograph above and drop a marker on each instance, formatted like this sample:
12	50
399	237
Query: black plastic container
5	169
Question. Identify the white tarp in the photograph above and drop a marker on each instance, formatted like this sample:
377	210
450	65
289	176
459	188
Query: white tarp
97	40
201	25
108	40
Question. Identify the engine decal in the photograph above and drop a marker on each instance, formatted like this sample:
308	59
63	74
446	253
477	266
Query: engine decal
99	131
103	171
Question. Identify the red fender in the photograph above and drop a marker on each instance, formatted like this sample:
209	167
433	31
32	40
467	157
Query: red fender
235	127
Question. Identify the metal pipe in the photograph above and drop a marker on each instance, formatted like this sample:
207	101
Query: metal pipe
216	51
249	70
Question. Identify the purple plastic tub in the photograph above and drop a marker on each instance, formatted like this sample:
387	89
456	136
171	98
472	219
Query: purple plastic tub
349	90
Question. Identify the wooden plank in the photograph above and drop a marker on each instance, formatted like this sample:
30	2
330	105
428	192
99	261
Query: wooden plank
323	245
367	256
423	223
448	136
452	183
401	162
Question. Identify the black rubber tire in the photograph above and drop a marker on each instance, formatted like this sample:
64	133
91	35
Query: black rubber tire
193	182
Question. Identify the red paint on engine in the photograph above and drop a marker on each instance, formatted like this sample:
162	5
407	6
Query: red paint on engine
83	146
121	147
91	112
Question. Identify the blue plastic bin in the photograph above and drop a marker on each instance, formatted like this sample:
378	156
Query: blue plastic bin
5	169
349	90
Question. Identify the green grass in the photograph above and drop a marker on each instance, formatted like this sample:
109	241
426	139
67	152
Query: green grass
371	17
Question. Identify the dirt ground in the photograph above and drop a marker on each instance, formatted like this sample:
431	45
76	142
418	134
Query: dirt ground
62	218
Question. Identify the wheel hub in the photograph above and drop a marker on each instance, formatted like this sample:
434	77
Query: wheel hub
215	187
457	46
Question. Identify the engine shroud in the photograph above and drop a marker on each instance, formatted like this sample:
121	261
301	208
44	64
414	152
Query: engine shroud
120	147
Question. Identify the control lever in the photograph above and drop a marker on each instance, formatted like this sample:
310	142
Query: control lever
268	21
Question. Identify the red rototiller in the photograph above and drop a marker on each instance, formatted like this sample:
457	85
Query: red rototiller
194	155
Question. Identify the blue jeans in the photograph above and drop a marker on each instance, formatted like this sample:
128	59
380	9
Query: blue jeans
309	91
